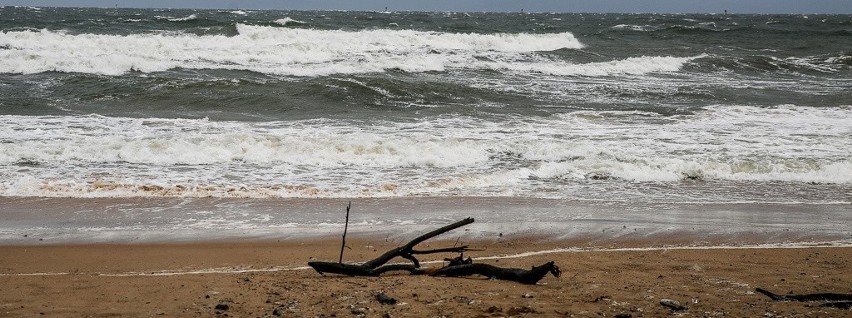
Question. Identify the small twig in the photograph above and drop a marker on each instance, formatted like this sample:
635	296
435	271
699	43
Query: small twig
345	228
806	297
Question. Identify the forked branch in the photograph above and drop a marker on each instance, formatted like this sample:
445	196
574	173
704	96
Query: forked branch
375	266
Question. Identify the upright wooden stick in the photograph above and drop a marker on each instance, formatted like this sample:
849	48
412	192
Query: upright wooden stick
345	228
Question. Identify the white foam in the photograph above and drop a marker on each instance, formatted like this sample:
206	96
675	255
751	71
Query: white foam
629	66
198	142
632	27
794	245
186	18
103	156
288	20
274	50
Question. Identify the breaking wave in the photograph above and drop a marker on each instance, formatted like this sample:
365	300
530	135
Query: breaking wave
190	17
628	66
103	156
826	63
270	50
286	21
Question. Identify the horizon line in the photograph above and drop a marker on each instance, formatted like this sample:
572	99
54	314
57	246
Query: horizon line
725	12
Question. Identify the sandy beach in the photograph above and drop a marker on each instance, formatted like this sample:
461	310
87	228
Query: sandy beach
266	279
214	257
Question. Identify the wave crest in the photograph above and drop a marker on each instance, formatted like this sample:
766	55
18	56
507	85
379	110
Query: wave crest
816	64
270	50
628	66
288	20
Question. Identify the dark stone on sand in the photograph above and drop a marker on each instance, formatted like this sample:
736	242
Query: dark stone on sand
515	311
278	312
601	298
674	305
223	306
624	315
385	300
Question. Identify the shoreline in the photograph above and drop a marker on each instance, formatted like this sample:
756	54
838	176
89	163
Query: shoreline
40	221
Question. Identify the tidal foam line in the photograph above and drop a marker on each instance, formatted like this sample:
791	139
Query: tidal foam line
248	269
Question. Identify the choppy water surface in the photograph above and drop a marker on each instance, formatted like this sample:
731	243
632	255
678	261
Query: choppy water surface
270	104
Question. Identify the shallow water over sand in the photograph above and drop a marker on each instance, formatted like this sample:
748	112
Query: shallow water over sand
70	220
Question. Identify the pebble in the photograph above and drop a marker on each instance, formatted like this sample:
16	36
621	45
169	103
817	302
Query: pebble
672	304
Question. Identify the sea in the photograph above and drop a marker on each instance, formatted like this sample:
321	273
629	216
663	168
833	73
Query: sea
124	124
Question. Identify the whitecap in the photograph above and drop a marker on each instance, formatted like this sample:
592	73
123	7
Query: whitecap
271	50
186	18
288	20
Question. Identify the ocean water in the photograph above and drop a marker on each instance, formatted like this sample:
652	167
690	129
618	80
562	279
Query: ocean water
637	109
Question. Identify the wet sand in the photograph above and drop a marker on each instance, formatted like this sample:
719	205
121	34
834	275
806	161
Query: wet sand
265	278
34	221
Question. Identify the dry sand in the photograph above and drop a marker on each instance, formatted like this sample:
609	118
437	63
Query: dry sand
263	279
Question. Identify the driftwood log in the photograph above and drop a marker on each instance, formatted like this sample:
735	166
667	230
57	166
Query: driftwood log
457	266
829	299
376	267
531	276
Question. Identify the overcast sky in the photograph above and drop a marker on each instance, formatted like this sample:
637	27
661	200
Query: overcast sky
661	6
